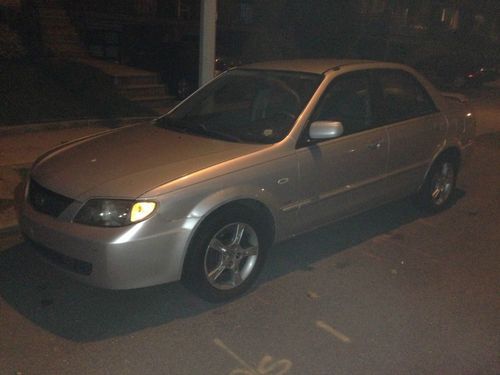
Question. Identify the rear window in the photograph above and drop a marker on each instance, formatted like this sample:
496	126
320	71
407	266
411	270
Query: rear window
400	97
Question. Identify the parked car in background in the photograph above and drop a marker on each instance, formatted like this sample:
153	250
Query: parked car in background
262	153
459	70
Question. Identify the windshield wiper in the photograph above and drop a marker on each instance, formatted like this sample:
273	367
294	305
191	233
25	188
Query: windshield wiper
175	125
197	128
201	128
168	122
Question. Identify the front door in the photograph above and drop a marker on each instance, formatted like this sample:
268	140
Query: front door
342	176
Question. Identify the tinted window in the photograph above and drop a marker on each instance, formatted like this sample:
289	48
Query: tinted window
400	97
347	100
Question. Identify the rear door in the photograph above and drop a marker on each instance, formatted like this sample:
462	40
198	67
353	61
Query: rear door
416	129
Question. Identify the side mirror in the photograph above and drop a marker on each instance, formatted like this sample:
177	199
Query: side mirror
325	129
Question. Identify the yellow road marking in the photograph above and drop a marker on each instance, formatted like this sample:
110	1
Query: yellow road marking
241	361
328	328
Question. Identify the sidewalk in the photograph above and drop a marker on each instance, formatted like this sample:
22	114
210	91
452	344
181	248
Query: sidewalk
21	145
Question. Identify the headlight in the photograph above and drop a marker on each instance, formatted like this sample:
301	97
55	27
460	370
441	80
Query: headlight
114	212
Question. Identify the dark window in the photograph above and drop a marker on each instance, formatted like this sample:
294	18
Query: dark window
347	100
399	97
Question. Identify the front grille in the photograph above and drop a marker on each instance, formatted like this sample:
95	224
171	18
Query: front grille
46	201
64	261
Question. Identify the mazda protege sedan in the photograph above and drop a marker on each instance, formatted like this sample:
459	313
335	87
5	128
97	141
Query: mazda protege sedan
256	156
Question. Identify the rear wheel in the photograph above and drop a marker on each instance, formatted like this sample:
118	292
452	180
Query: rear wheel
226	255
438	188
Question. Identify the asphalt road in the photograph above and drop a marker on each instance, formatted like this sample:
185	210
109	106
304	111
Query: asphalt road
391	291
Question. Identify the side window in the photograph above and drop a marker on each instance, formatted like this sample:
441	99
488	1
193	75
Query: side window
401	97
347	100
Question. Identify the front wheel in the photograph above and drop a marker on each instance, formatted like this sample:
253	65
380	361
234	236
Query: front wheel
225	255
436	193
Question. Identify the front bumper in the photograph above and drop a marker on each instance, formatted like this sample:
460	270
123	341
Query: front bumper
144	254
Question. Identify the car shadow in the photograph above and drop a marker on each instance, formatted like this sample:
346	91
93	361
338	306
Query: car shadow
304	250
82	313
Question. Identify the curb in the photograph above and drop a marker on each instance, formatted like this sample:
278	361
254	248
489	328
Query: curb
56	125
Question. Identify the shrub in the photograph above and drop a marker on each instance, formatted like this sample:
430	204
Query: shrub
11	47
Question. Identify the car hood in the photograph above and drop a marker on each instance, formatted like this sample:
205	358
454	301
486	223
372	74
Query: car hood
131	161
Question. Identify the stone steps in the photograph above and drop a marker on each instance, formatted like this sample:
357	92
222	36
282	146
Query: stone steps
60	36
66	49
136	80
145	89
137	85
137	91
58	33
51	12
61	40
155	102
54	26
61	33
50	3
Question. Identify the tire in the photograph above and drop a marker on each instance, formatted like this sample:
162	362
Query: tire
225	255
437	190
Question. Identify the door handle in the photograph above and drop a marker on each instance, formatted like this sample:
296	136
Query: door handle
376	145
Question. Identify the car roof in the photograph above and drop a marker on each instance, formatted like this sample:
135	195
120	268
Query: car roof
317	66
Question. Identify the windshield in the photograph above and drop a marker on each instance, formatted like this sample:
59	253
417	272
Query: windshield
251	106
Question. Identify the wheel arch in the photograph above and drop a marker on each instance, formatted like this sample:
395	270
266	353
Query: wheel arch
256	207
452	153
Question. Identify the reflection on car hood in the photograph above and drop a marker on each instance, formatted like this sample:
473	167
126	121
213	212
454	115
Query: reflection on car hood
128	162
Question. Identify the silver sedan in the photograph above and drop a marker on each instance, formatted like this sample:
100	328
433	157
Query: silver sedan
260	154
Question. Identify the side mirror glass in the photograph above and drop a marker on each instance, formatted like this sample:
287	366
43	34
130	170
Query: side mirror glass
325	129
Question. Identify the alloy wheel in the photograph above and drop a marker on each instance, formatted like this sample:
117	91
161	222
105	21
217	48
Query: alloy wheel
442	183
231	256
